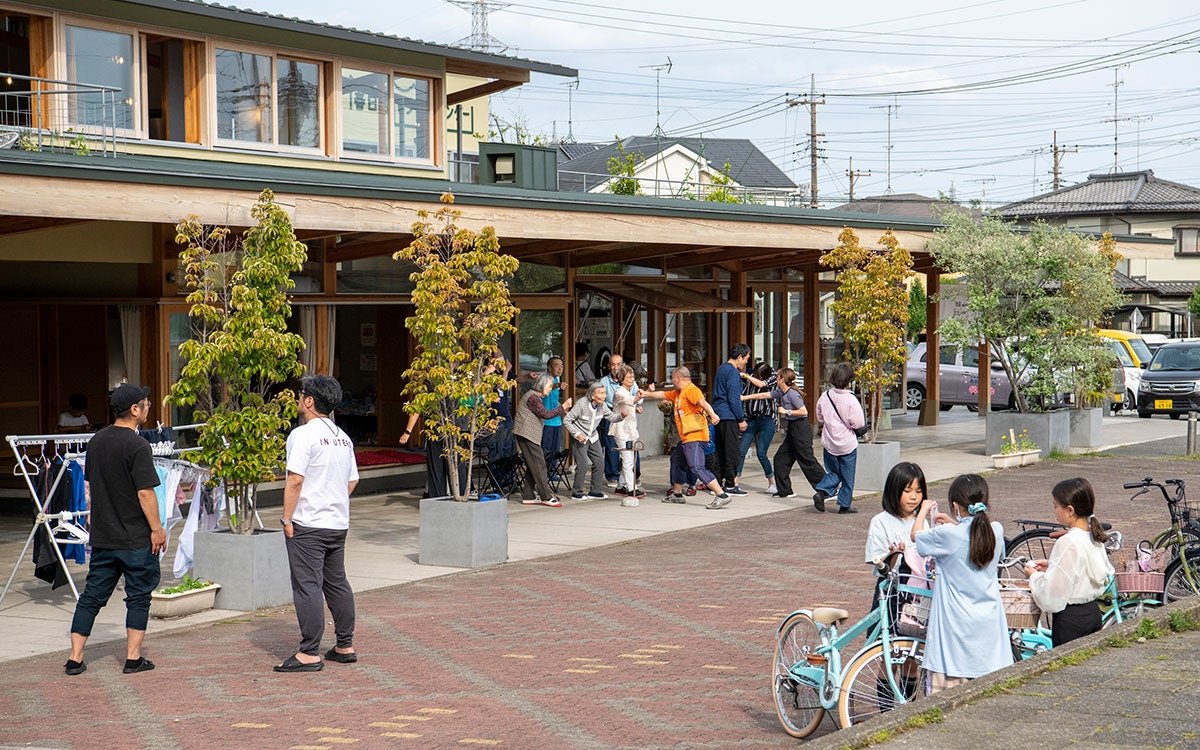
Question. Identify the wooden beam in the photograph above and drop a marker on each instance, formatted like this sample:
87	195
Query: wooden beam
534	248
375	248
10	225
487	70
624	252
482	90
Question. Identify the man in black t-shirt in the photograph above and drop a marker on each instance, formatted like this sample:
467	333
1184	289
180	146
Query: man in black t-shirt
126	532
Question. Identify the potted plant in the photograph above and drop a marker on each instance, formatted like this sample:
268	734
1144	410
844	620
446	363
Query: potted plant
1033	295
1016	450
185	598
872	309
461	309
239	353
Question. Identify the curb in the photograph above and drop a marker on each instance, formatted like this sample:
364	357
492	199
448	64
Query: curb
864	735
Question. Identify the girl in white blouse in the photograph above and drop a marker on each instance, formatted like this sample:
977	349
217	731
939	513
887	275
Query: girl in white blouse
1076	575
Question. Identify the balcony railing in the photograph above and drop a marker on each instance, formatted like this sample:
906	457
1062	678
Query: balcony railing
57	115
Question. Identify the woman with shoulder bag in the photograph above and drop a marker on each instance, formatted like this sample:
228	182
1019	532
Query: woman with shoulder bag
840	415
797	438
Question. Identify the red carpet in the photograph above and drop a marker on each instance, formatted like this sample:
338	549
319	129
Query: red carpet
384	457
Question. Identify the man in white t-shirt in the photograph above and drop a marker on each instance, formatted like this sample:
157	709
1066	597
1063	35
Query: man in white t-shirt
321	475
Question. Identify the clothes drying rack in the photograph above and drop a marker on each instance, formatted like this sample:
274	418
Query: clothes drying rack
66	447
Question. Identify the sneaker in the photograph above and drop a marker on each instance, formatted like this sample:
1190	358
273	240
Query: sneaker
531	501
720	501
690	491
674	497
578	496
610	483
639	492
736	491
553	502
74	667
783	496
597	496
819	501
629	502
847	509
772	489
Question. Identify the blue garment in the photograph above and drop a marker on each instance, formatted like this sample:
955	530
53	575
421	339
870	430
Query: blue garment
78	504
610	389
551	403
968	634
760	431
727	393
839	477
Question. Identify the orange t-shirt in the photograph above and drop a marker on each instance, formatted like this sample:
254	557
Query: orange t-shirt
687	401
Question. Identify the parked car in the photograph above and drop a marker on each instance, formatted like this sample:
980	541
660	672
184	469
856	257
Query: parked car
1133	354
959	379
1171	384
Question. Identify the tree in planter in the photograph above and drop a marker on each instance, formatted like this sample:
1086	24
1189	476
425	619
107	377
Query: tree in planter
462	309
241	349
1028	294
872	308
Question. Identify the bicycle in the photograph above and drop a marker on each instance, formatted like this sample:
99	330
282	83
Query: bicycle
1181	577
808	679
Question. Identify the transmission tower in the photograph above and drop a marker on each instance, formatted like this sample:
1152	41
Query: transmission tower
892	109
480	39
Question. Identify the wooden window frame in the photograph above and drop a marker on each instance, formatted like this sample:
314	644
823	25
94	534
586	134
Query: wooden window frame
436	103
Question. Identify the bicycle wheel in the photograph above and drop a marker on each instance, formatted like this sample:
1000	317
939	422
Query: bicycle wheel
865	690
1132	609
1176	584
1191	539
1034	544
797	703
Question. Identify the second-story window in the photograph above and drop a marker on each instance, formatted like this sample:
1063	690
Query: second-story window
267	99
104	58
386	115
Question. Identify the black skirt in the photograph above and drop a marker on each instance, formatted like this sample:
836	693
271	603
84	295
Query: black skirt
1075	621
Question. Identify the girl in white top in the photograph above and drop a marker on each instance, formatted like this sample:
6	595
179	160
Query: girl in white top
1075	576
902	495
968	633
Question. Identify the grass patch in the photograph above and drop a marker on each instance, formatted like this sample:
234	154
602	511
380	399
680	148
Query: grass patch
1181	621
934	715
1149	629
1075	659
1003	687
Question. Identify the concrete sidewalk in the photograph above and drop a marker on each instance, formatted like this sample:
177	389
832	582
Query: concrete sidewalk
382	547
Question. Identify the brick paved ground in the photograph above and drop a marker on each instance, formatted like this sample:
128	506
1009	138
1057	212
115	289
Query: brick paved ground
663	642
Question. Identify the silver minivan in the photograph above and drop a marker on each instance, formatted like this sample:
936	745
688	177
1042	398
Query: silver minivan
959	371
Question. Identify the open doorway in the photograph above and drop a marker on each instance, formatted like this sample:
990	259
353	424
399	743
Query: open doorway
172	90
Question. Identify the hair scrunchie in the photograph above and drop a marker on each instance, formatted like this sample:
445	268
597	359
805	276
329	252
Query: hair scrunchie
976	508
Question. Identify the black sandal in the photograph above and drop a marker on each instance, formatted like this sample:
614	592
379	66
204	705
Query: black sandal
292	664
334	655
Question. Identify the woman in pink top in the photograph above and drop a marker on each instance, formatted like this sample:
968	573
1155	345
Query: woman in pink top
840	414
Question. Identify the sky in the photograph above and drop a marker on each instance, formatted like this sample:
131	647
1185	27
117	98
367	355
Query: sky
973	91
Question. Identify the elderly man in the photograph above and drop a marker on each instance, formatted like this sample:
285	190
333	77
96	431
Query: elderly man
321	475
690	404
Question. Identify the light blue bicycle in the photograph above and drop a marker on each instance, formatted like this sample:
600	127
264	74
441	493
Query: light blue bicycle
808	678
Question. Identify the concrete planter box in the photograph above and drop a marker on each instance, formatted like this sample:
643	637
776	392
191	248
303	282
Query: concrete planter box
463	535
1087	428
252	569
183	603
1051	430
1010	460
874	462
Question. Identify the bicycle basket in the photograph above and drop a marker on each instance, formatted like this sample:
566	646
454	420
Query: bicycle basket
914	617
1140	583
1020	609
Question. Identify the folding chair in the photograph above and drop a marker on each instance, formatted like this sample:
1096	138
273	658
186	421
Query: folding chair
557	469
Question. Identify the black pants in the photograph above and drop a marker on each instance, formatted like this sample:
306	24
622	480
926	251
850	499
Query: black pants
437	470
317	559
535	476
1076	621
141	571
796	448
729	447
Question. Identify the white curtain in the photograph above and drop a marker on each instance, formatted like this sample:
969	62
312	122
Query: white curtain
331	340
131	341
307	316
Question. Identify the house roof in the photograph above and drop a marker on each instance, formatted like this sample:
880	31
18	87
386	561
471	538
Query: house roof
346	33
749	166
569	151
905	204
1120	192
1129	285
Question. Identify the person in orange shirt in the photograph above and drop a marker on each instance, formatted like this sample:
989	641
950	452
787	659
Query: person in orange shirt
689	401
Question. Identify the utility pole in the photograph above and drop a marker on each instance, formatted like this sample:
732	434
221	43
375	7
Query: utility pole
658	131
1058	153
891	108
571	87
811	101
1116	85
854	177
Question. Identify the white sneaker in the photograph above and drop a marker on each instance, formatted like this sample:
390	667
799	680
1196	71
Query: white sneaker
629	502
771	489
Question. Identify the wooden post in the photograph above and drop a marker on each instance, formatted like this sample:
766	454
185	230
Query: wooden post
812	340
933	391
985	379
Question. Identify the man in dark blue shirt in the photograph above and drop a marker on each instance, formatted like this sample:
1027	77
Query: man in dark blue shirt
727	402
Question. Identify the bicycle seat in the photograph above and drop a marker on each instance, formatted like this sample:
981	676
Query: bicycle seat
829	615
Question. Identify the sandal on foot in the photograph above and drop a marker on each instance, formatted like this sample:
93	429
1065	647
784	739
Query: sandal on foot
292	664
334	655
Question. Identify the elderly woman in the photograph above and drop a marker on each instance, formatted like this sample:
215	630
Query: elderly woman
529	418
583	425
625	434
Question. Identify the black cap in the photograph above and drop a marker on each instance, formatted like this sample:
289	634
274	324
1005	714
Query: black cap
126	395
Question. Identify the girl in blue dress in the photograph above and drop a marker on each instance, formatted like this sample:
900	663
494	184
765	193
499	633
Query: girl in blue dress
968	633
